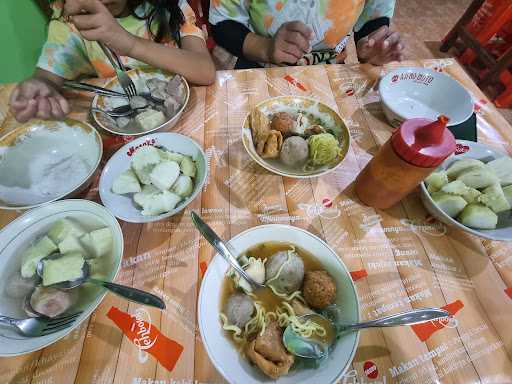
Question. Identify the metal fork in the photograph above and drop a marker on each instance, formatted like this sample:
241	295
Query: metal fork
124	80
92	88
40	326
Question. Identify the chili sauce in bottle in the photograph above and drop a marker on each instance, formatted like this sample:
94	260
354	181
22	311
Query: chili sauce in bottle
412	153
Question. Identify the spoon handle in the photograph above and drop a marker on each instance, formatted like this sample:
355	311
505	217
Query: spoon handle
132	294
405	318
221	247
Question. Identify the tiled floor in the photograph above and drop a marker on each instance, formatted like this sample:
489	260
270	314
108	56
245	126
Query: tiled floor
422	25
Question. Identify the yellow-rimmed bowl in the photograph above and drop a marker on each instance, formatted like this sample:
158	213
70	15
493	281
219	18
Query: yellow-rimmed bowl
41	142
139	77
331	120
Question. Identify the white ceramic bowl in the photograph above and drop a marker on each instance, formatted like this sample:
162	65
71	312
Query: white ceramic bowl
407	93
222	352
474	151
18	235
123	206
330	119
45	145
139	77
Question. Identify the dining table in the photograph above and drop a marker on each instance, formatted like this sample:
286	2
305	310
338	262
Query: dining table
399	259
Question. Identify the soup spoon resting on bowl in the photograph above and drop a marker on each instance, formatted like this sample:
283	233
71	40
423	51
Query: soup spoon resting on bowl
317	346
224	249
129	293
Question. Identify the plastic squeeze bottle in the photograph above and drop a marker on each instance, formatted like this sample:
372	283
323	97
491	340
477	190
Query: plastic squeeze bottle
412	153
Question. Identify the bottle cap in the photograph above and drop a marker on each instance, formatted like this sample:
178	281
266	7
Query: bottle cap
423	142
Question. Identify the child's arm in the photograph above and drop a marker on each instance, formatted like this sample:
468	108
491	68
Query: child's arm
96	23
192	61
39	97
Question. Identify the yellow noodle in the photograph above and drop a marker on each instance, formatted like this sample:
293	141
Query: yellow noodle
284	296
257	322
231	328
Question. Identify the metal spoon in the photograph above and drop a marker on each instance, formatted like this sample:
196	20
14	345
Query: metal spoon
317	348
224	249
122	111
129	293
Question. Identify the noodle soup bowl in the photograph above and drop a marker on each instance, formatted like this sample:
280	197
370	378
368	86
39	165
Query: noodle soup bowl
232	364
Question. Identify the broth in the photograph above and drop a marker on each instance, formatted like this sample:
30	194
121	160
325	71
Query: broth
265	295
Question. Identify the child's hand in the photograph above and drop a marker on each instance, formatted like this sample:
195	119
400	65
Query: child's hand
380	47
95	23
37	98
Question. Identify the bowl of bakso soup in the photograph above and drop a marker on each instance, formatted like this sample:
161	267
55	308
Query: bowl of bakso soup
295	136
242	327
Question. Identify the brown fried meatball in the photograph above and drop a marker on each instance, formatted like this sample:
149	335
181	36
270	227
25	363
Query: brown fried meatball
319	289
282	122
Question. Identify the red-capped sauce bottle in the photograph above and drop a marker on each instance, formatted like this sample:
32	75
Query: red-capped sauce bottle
412	153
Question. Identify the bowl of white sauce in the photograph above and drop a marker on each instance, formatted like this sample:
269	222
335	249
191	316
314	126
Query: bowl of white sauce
44	161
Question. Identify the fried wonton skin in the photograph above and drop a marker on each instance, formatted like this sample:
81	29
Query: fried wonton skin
273	145
260	127
268	352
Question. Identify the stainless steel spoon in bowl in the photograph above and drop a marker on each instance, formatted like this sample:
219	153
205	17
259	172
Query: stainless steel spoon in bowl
122	111
129	293
224	249
318	347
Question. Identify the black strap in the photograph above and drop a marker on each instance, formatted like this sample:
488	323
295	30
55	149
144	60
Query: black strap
230	35
370	26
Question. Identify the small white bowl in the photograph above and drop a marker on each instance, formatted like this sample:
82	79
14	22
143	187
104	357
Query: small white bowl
471	150
222	352
31	145
123	206
17	236
139	77
407	93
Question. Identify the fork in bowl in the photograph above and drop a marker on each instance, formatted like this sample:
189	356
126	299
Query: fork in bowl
40	326
124	80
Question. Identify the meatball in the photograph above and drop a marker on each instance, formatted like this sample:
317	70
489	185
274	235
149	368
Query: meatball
295	151
239	309
290	276
282	122
319	289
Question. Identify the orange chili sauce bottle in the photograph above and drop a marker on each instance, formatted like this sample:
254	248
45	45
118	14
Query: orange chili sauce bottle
412	153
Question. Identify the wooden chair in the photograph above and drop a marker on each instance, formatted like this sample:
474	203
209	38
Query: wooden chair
470	40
